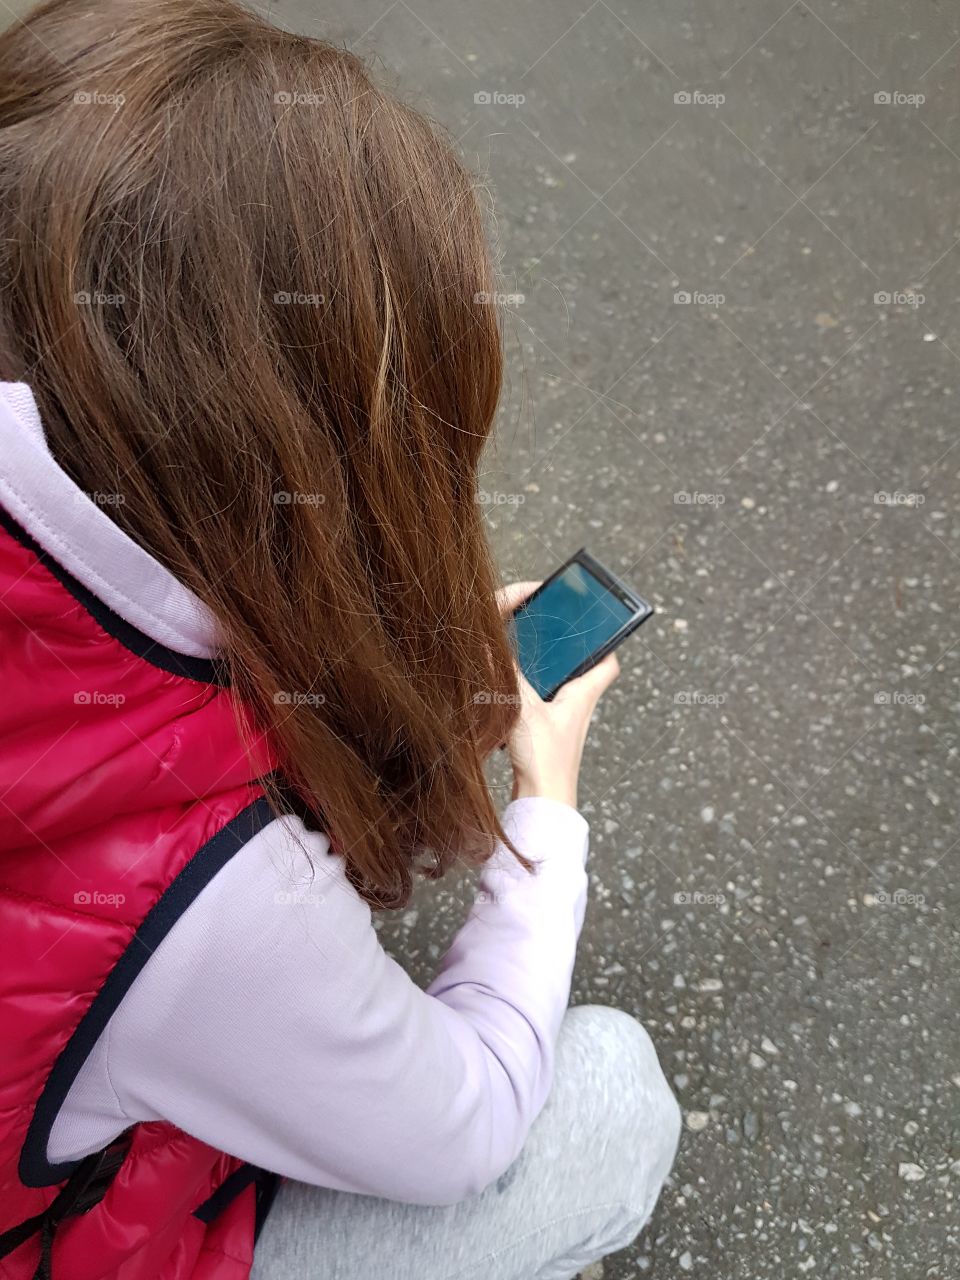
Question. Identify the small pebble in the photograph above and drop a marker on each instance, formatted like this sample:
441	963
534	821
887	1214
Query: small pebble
697	1120
910	1172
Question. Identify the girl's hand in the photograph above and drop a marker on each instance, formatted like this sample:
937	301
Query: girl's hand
546	746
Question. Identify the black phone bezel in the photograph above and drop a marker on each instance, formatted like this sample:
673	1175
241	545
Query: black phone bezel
642	610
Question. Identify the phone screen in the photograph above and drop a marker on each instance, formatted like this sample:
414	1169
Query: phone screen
569	620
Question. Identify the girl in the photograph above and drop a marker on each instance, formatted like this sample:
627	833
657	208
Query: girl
253	663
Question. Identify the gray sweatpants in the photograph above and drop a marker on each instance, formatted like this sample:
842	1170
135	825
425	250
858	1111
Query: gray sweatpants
583	1186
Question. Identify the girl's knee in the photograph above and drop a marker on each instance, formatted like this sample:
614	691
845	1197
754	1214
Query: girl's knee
637	1116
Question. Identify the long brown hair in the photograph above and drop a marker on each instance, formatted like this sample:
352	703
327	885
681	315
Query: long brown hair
248	289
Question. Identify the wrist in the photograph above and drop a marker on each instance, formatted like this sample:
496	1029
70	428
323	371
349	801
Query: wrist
546	789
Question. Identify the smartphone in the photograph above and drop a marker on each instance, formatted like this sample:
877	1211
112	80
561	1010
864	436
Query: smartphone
573	620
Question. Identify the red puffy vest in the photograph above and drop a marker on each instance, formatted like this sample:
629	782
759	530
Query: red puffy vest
124	787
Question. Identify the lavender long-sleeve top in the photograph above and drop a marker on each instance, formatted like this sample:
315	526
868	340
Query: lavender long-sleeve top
270	1022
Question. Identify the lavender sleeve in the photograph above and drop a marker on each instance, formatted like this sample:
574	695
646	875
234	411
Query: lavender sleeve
271	1024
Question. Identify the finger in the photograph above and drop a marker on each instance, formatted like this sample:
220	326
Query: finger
514	594
528	693
593	682
528	698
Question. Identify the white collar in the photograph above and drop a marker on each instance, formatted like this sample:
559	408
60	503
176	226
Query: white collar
75	530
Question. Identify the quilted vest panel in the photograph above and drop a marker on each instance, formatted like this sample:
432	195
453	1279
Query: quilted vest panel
126	782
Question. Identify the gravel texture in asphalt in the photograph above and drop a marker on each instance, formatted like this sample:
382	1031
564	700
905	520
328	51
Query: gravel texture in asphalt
732	236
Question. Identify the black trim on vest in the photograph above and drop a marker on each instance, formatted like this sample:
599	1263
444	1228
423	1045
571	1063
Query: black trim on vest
204	670
35	1169
227	1192
265	1183
267	1188
85	1187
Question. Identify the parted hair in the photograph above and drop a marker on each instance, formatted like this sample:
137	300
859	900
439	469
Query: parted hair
248	288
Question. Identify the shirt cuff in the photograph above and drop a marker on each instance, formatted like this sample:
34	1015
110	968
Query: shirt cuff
545	831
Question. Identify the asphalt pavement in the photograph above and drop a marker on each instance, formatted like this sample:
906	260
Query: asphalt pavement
731	233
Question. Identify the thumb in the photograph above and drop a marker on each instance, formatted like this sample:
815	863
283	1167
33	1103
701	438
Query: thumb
512	596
